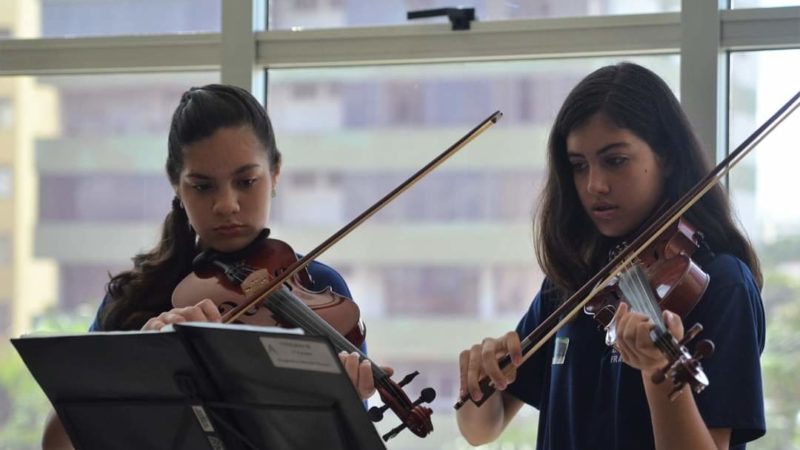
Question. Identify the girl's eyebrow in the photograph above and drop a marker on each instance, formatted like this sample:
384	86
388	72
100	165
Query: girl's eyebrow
245	168
604	149
238	171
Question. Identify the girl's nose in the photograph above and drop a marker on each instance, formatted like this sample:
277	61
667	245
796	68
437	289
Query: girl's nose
597	182
227	202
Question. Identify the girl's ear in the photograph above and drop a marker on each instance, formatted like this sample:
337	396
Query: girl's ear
275	173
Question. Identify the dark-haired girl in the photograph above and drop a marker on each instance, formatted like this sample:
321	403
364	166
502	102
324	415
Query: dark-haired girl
224	166
621	147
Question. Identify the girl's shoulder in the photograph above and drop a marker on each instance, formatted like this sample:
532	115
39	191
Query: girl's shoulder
728	271
732	293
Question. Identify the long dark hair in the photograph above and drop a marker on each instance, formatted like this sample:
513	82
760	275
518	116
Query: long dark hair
145	291
569	247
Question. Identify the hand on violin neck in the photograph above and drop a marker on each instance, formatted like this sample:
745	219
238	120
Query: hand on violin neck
360	373
674	324
483	360
634	342
204	311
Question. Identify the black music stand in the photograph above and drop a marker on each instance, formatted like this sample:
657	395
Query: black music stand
200	386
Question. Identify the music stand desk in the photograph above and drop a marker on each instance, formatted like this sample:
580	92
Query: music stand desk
200	386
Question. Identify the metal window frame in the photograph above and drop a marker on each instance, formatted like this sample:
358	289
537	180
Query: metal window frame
702	34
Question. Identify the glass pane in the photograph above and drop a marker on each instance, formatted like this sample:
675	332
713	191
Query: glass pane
451	260
86	154
60	18
764	192
355	13
762	3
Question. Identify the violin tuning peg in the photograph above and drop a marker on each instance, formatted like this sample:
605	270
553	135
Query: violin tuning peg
426	396
376	414
394	432
703	349
691	333
408	378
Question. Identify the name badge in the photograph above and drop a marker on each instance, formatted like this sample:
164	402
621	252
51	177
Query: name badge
562	343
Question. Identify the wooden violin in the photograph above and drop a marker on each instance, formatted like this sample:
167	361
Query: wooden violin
665	277
232	280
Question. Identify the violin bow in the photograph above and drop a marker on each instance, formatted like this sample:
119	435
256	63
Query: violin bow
278	281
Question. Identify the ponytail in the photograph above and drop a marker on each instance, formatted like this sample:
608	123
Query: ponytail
136	295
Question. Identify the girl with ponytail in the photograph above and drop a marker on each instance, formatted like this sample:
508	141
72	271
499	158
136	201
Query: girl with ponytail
224	165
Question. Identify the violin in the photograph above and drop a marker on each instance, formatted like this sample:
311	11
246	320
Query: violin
664	278
226	278
676	279
266	284
626	264
231	280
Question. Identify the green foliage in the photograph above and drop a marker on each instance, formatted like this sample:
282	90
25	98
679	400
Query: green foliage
26	407
784	250
781	362
780	366
779	289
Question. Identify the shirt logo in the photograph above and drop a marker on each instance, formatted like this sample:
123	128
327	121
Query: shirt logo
560	354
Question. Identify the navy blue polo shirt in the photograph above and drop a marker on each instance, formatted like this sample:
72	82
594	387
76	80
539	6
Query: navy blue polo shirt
587	398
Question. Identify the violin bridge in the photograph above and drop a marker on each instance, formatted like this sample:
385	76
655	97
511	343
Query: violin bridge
254	283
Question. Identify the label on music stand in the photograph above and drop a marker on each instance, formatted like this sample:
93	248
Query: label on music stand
302	355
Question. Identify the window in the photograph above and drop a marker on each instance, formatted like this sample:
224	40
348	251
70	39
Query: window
6	183
763	3
102	190
762	187
6	113
5	250
56	18
355	13
430	276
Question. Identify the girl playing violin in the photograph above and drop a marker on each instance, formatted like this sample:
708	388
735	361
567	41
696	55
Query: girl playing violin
621	147
224	166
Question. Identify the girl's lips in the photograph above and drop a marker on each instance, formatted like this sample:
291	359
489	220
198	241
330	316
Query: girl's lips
232	230
604	213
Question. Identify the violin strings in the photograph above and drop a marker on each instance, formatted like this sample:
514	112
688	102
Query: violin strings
631	292
663	337
649	298
296	314
293	309
637	291
287	304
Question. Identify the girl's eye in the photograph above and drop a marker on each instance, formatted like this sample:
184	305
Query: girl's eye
248	182
577	166
617	160
201	187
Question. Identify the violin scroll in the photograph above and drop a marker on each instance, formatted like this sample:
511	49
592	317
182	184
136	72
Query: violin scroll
684	368
413	416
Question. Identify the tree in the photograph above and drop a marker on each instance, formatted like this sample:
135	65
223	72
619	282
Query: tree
781	362
23	405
